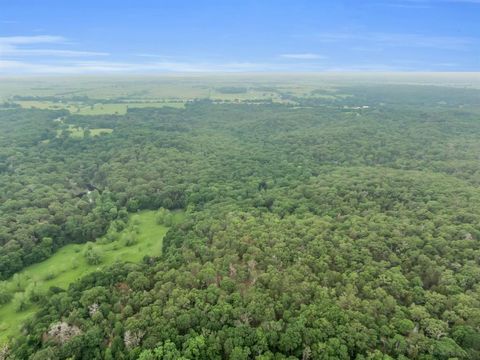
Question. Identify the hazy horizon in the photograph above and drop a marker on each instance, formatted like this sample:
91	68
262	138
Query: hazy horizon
189	37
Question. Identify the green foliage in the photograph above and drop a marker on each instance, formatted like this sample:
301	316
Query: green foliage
92	255
34	292
20	301
232	90
168	351
339	227
5	293
69	264
161	216
20	282
130	238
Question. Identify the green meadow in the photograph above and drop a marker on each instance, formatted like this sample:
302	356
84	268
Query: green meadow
79	132
70	263
79	108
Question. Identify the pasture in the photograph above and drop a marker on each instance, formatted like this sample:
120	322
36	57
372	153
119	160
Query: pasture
70	263
79	132
79	108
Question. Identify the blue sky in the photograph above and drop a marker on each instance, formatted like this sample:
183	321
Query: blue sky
122	36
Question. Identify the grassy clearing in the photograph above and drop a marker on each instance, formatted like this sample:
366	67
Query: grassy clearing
177	105
70	263
102	109
121	108
97	109
47	105
11	320
79	133
100	131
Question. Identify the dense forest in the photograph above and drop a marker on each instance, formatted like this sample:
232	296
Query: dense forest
332	228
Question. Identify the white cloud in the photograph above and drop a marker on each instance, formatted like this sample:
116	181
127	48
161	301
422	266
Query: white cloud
27	40
25	55
369	68
19	67
50	52
25	46
303	56
147	55
75	67
399	40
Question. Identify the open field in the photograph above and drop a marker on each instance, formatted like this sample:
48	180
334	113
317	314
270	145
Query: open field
80	108
70	263
191	87
79	132
114	95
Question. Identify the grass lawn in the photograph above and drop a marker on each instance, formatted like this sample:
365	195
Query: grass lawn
69	264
